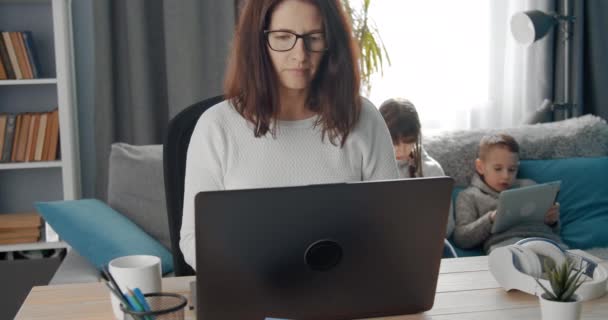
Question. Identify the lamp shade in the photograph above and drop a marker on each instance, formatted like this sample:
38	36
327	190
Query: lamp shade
529	26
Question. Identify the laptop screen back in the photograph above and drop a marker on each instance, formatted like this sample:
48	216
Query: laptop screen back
337	251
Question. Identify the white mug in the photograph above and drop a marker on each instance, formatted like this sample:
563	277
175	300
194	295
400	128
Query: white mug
138	271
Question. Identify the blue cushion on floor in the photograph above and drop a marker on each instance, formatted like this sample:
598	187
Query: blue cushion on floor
99	233
583	196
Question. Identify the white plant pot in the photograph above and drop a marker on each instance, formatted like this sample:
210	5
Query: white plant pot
556	310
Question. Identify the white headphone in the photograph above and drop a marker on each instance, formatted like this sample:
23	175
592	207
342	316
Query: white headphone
517	266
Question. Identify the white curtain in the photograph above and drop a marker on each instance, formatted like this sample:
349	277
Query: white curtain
458	63
521	77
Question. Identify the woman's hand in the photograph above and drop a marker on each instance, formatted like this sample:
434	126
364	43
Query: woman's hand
552	215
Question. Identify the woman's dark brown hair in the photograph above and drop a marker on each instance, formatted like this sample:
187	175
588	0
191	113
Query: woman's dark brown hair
403	123
252	85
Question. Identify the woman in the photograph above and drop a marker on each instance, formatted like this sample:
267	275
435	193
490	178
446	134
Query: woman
293	115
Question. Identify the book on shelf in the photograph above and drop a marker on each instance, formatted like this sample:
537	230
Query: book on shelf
28	40
19	233
11	221
26	58
41	136
5	153
25	227
29	146
3	74
22	136
18	56
5	59
6	37
3	123
54	136
18	121
20	227
29	136
19	240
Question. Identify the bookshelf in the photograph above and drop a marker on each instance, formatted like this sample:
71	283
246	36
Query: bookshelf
33	246
30	165
24	183
27	82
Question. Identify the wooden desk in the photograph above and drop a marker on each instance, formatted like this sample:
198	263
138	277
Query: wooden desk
465	290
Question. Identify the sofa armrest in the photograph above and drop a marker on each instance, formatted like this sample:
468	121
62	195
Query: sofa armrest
75	269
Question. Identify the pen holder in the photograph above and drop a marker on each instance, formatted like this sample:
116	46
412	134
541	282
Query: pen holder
163	306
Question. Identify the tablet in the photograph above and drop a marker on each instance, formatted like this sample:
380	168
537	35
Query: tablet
524	205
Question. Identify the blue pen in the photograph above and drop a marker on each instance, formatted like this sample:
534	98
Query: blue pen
141	302
134	304
142	299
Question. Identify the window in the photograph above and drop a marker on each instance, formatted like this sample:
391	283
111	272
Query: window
440	54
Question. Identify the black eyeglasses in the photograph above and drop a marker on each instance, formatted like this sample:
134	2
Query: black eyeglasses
285	40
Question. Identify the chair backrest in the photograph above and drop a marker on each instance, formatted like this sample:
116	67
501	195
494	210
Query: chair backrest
175	150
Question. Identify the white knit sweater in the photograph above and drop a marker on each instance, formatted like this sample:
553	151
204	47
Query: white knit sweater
224	154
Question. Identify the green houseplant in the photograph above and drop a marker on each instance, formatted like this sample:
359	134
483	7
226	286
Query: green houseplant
372	51
561	302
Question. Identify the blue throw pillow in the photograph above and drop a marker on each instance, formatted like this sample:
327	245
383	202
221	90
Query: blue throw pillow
583	196
99	233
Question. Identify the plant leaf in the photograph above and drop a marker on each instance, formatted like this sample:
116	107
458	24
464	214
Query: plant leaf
572	280
572	285
564	281
567	295
554	280
372	50
547	291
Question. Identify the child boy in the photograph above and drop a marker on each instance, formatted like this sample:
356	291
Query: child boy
496	167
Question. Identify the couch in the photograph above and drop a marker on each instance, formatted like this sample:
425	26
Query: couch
575	151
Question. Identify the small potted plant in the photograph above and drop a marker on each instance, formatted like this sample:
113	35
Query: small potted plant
561	302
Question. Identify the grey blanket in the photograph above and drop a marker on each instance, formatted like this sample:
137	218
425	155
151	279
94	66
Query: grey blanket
585	136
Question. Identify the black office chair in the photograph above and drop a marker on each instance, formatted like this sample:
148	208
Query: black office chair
175	150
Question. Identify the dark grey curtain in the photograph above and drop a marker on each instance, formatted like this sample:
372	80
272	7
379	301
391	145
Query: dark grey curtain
595	65
589	59
576	57
153	58
589	62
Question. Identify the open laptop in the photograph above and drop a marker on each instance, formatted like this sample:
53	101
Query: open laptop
524	205
334	251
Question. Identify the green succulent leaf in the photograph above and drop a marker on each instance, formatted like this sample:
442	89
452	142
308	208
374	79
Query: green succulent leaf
564	281
572	285
548	292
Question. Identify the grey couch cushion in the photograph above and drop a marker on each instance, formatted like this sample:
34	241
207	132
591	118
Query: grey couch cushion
585	136
136	188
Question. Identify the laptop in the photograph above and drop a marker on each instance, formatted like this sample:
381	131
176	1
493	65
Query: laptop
327	251
524	205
